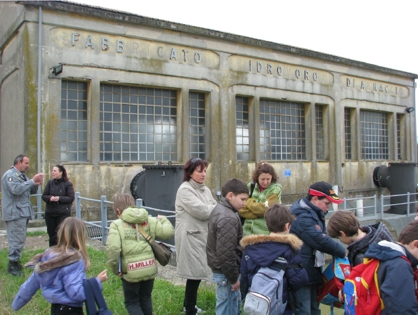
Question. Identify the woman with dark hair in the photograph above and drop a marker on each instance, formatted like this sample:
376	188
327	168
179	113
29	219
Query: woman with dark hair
58	195
264	193
194	204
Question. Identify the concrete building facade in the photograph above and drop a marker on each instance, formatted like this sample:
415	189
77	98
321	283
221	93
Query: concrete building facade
106	92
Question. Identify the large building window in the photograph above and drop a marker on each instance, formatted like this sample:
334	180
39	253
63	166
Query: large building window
242	129
197	125
282	130
347	133
374	135
73	121
137	124
319	132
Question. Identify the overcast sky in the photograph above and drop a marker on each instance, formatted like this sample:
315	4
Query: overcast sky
380	32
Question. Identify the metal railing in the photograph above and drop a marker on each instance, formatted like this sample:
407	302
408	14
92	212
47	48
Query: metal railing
373	208
100	229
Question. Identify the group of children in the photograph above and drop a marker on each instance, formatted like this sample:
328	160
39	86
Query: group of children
397	272
398	260
61	270
234	260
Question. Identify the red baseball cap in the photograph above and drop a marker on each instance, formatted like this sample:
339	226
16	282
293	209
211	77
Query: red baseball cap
323	189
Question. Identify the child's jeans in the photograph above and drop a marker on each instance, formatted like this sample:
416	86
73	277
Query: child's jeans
227	301
138	300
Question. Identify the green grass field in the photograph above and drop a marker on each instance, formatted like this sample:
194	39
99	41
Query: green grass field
167	298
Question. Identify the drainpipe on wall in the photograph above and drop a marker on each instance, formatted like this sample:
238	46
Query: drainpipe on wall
39	203
39	88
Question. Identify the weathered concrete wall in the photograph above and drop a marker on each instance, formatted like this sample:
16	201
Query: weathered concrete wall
98	46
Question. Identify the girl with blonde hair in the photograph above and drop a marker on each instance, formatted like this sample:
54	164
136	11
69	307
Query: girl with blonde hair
60	271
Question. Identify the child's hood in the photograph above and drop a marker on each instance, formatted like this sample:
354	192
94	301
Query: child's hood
292	240
134	215
385	250
50	260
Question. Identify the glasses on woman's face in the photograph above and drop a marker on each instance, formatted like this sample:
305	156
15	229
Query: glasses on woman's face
195	160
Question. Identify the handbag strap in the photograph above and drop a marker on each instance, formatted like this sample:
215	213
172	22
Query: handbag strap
145	235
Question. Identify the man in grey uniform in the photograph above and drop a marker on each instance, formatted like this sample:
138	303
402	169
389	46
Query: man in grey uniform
17	209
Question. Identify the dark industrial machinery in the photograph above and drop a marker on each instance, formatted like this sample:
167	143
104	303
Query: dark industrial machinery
157	186
399	178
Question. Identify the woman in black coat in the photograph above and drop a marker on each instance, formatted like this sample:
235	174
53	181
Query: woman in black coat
58	195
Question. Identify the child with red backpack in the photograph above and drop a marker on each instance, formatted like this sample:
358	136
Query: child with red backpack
394	265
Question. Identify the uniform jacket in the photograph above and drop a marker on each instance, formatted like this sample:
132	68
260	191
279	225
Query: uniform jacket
257	205
60	276
262	250
309	226
396	277
16	189
194	204
63	189
223	249
138	262
374	234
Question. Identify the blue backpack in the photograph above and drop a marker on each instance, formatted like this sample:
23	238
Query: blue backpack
265	295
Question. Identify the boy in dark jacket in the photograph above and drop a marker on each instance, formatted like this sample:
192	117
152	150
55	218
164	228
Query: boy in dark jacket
345	226
263	250
223	250
395	273
310	228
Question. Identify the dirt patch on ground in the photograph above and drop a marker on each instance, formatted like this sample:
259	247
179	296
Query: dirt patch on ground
32	242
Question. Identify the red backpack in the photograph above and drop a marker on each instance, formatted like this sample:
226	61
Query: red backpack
361	289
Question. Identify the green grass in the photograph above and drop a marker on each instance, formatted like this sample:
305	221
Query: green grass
167	298
35	233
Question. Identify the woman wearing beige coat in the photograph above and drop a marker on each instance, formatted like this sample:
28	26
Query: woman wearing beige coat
194	203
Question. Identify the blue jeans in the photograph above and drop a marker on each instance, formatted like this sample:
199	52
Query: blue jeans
227	301
307	301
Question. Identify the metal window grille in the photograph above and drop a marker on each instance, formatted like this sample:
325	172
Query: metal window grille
319	132
73	121
399	135
282	130
347	133
242	129
374	135
137	124
197	125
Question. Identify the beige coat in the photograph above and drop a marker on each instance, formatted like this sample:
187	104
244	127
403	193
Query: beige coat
194	204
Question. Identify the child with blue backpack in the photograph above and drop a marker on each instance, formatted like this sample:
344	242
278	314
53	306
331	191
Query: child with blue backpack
263	250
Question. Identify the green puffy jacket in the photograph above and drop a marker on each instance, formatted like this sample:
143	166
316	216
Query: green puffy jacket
257	205
138	262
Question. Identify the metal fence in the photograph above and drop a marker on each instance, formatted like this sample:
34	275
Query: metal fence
365	208
100	229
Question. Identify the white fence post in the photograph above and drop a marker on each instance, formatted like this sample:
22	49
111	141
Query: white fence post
359	206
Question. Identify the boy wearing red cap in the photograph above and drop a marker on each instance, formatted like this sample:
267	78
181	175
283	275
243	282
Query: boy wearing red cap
310	228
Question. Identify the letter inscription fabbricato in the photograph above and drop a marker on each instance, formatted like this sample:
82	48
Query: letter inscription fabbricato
122	46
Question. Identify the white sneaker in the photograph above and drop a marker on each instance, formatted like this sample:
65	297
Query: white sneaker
198	310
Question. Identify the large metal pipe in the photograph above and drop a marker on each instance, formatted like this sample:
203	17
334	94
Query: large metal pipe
399	178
